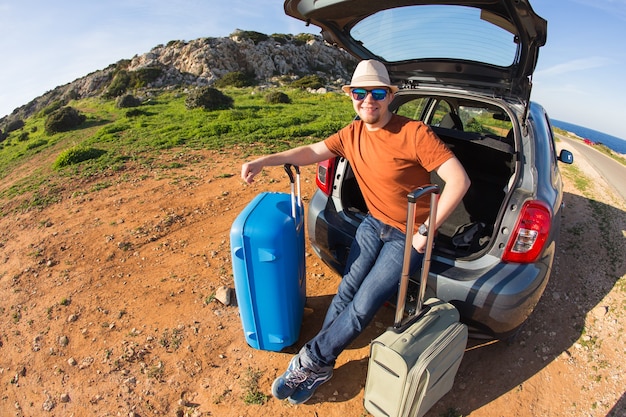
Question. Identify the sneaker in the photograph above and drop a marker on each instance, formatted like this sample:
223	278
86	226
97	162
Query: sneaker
305	390
287	383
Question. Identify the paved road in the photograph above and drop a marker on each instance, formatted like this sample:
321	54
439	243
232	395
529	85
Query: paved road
612	171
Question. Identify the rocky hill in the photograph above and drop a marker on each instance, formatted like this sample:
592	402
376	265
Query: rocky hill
203	61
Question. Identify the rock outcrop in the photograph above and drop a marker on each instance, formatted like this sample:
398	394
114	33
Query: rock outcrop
205	60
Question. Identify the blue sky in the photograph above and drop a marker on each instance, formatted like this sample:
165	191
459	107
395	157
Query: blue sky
45	44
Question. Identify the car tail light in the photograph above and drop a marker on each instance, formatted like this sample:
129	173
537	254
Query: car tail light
530	233
325	175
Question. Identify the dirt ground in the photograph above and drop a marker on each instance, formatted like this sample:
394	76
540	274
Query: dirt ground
107	308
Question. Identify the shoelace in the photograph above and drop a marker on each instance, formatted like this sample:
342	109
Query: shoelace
313	378
296	377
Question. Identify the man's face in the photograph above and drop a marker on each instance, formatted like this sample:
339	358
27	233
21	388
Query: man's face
371	104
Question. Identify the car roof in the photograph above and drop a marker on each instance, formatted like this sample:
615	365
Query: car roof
490	46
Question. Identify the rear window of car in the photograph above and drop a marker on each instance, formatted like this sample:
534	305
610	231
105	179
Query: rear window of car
485	121
438	31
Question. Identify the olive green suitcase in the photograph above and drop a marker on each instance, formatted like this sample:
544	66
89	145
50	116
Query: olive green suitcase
413	364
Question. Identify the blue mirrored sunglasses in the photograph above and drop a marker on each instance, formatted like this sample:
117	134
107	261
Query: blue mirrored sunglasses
361	93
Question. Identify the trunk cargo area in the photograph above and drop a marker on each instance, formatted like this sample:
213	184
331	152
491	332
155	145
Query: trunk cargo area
490	163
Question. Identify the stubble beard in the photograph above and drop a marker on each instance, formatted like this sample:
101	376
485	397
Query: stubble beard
371	119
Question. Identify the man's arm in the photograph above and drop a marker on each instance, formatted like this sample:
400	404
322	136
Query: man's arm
456	184
300	156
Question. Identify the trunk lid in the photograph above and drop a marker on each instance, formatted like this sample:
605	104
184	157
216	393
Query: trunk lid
486	46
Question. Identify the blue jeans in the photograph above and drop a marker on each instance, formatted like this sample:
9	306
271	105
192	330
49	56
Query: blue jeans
371	277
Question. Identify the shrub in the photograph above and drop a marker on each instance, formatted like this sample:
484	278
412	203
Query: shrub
309	81
119	84
474	125
236	79
127	100
143	76
122	64
255	37
36	144
52	107
73	94
14	125
208	98
276	97
124	79
304	38
62	120
281	38
76	155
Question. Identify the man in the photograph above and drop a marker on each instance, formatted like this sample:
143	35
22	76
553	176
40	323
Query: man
390	155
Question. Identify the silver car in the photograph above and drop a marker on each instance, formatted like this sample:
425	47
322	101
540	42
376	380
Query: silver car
466	70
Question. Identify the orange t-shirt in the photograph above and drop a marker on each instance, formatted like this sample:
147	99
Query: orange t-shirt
389	163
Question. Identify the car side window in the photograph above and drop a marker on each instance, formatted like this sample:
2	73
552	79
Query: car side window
485	121
413	109
442	109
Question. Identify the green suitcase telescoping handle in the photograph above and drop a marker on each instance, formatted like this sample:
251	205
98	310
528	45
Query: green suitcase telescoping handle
433	190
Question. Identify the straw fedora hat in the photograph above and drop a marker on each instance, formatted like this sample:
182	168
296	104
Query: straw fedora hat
370	73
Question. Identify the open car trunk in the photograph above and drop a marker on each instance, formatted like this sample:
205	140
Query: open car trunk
490	163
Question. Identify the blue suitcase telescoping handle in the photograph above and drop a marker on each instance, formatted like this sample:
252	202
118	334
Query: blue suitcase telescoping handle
413	196
296	201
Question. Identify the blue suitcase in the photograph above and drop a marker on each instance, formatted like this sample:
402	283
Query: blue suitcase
267	250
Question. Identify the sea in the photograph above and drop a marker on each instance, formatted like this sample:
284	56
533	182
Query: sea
612	142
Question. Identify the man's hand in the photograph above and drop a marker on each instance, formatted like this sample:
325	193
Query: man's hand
250	169
419	243
300	156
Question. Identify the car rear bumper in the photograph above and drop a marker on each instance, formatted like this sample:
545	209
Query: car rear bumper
497	300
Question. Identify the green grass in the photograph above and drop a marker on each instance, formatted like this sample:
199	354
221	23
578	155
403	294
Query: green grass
250	383
602	216
112	138
581	181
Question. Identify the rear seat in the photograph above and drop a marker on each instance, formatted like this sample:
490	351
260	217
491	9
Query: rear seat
485	158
